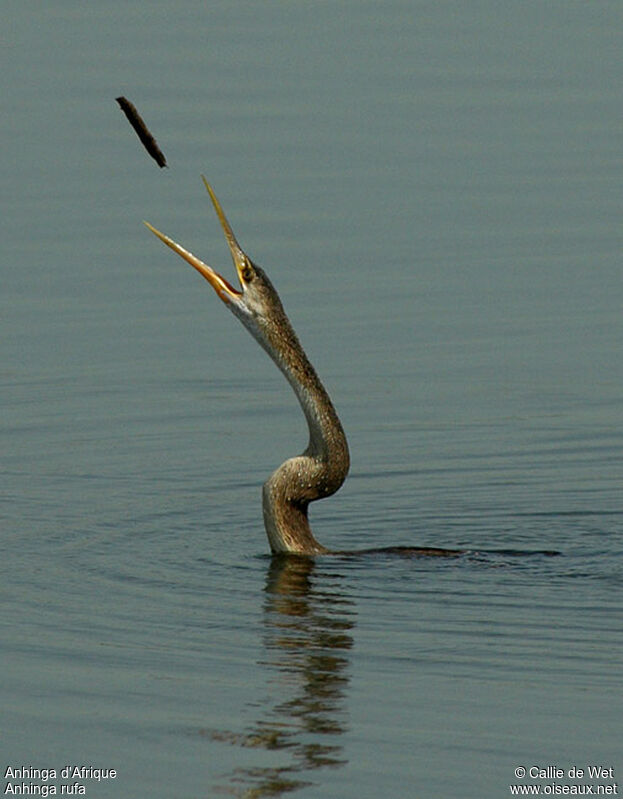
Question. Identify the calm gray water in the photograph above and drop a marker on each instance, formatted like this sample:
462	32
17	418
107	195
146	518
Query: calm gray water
435	189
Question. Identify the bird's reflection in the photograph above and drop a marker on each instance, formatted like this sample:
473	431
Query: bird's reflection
307	641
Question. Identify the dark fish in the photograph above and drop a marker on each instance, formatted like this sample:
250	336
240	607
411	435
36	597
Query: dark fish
149	143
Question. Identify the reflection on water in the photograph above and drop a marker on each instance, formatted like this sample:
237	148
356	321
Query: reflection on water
307	640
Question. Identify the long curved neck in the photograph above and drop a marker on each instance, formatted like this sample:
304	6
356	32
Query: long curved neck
320	470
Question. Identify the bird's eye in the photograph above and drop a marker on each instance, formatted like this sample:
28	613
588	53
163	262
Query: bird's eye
247	273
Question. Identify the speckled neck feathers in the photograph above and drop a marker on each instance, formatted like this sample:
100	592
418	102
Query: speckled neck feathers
322	468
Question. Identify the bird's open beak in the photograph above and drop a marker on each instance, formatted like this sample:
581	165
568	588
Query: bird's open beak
223	288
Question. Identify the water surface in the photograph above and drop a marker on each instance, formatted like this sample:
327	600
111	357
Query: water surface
435	191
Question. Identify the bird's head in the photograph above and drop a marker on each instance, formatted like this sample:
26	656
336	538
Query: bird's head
256	303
